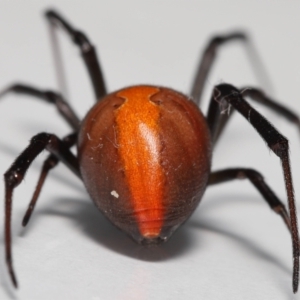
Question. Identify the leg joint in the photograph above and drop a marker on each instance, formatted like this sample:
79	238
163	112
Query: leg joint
281	147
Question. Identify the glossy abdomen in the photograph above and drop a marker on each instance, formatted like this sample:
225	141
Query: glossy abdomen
145	153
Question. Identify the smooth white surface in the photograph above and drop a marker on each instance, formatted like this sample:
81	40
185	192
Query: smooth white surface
233	247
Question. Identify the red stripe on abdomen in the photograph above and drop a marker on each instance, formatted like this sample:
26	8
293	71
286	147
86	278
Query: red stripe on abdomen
139	148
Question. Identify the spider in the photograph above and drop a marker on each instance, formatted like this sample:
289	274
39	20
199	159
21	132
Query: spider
144	152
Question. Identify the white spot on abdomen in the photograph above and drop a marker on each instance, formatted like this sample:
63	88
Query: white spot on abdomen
115	194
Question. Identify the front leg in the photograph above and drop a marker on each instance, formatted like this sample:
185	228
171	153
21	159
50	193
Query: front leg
225	95
17	171
260	97
88	51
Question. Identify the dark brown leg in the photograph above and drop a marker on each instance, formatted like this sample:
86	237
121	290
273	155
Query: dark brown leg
16	173
225	95
258	181
209	56
62	106
87	51
260	97
52	161
207	60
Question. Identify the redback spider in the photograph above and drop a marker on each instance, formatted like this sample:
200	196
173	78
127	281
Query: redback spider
144	152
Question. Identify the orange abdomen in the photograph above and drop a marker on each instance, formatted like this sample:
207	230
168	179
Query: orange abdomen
145	153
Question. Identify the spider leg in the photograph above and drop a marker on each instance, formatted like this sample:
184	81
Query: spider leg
62	106
210	54
225	95
51	162
87	51
257	180
260	97
16	173
207	60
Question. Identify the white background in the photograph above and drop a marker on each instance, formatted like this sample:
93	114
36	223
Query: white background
233	247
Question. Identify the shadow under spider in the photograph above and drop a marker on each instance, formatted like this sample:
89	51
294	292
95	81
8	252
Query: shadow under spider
95	225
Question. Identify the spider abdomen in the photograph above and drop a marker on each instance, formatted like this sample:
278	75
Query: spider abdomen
144	153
